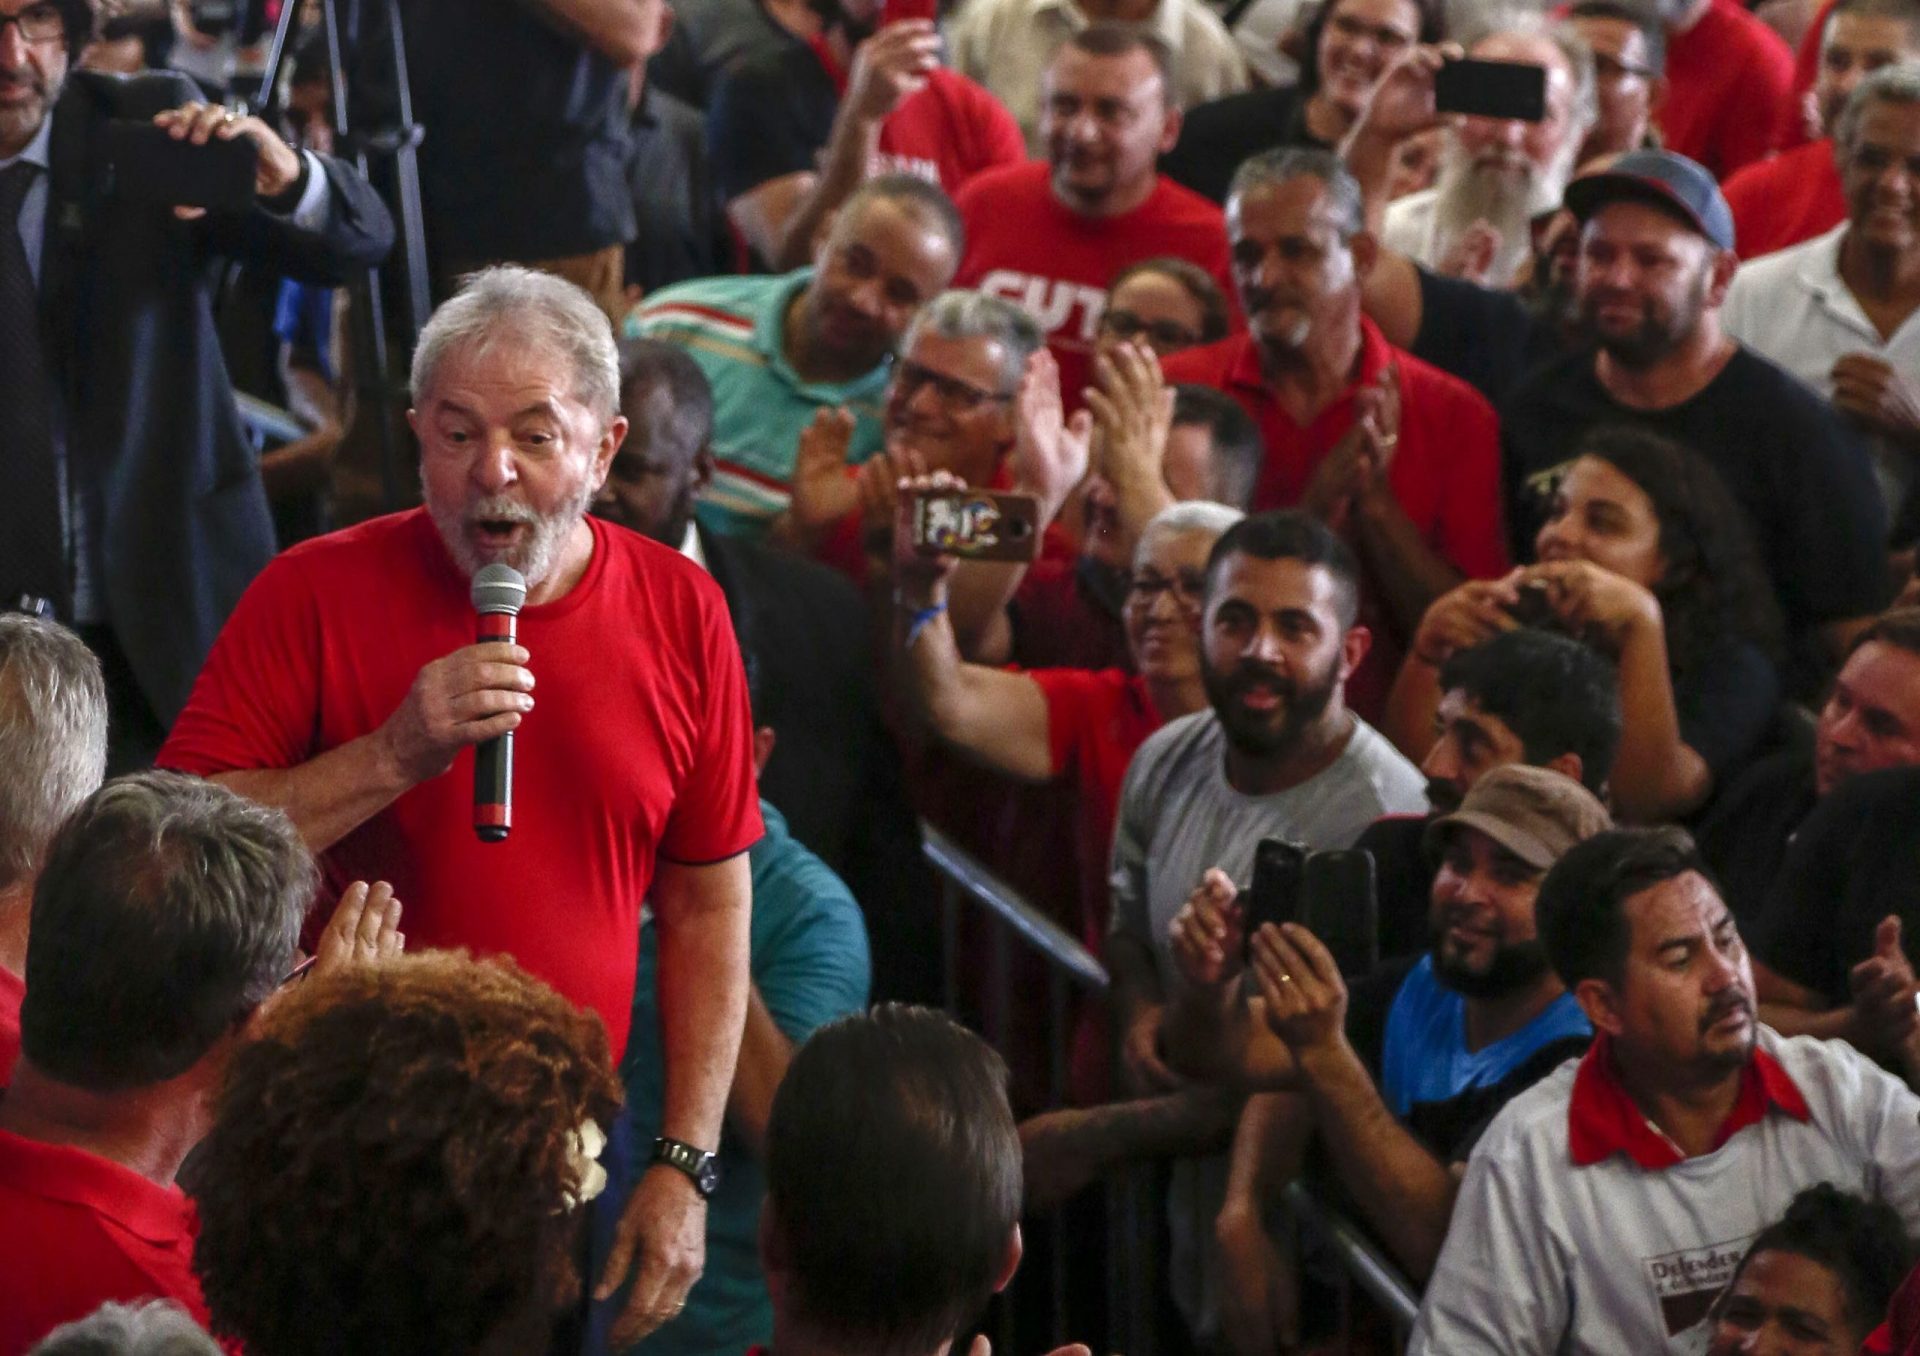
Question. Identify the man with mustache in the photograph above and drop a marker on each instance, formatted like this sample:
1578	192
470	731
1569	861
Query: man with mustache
1399	458
1497	175
1607	1206
347	690
1400	1076
1276	754
777	350
1655	261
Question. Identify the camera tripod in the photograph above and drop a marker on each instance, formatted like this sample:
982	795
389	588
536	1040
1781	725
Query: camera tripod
376	133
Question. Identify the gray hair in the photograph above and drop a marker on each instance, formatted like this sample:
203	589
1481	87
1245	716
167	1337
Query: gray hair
1470	24
53	736
1177	520
958	314
166	910
1896	84
155	1328
509	304
1270	169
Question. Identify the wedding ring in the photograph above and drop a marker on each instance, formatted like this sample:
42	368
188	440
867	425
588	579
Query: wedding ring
1286	979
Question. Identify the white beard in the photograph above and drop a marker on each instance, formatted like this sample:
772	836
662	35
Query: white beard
1507	196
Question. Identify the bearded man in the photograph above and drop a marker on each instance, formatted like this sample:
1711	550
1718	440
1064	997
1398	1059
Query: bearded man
346	690
1277	754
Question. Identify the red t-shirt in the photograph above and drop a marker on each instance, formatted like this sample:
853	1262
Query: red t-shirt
1783	201
639	745
1729	78
1806	70
1096	719
1023	244
947	131
13	990
76	1231
1445	471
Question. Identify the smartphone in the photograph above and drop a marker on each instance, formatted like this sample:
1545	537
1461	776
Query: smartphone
1491	89
892	11
1274	895
1534	606
975	524
146	164
1340	904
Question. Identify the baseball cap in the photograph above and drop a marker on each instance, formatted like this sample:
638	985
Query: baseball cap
1532	812
1680	186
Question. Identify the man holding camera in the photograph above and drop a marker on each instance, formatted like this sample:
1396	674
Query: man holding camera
134	510
1277	754
1402	1075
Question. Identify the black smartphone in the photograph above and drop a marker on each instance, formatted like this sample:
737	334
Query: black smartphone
1491	89
1274	895
1340	904
1534	606
147	164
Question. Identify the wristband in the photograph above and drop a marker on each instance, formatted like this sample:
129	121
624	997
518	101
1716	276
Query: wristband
918	622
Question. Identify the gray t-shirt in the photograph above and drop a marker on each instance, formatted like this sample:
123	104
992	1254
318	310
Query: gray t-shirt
1179	816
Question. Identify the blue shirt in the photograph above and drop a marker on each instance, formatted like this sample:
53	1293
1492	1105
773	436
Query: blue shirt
809	964
1426	1059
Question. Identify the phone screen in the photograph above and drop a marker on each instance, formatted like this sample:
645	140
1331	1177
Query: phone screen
1274	895
1340	904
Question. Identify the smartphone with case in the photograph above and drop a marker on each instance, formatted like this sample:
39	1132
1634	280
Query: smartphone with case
975	524
1340	904
1491	89
147	164
1274	895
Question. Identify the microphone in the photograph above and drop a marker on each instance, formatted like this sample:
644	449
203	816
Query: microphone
498	592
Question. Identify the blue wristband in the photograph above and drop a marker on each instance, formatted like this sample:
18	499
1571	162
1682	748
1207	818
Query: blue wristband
918	622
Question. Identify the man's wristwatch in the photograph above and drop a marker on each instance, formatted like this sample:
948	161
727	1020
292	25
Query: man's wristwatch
701	1167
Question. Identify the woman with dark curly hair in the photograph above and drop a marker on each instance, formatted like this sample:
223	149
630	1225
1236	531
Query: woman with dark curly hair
1646	556
396	1162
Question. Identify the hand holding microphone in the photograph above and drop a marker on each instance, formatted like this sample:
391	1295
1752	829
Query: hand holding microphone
475	694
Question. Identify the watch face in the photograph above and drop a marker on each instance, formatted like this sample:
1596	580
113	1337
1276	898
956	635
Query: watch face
707	1177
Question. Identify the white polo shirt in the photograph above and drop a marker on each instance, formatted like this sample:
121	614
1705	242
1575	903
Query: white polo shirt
1793	309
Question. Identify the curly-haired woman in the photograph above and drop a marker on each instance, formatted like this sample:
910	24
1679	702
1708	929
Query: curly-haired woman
396	1162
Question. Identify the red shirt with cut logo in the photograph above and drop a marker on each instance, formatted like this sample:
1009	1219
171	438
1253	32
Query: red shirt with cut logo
1025	245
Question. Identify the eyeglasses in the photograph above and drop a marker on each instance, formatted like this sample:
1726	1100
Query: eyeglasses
1160	333
300	971
1189	589
38	23
1613	69
955	394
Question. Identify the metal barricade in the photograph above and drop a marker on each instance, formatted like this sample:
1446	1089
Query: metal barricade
1134	1274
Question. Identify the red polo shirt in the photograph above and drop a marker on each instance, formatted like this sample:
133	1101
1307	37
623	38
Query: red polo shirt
77	1230
1445	472
1603	1119
1780	202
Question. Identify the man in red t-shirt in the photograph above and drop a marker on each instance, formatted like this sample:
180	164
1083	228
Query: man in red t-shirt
795	131
1051	236
1729	78
1796	195
167	913
53	745
347	688
1397	456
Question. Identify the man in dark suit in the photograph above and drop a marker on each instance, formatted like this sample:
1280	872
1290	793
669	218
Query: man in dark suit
133	507
835	773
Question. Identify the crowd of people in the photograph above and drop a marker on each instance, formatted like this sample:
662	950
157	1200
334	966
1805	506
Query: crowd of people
1463	691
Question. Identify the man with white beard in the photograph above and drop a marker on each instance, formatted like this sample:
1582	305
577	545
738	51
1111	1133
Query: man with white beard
1498	175
347	688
